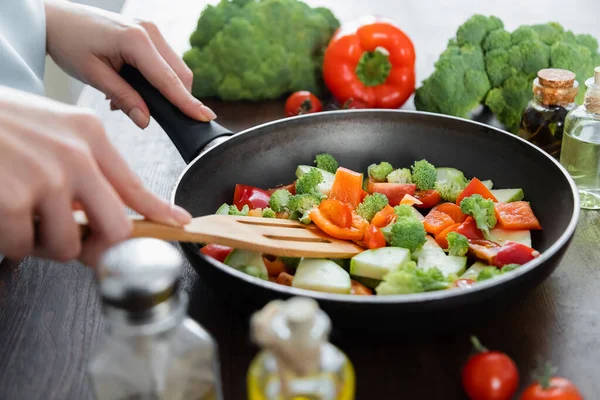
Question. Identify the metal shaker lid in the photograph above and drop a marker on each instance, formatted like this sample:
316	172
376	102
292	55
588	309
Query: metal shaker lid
137	274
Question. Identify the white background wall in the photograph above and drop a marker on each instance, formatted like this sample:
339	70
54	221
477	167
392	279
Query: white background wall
59	85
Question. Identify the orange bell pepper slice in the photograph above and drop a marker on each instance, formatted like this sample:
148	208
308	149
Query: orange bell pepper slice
337	212
410	200
517	215
452	210
384	217
359	289
476	187
347	187
333	230
440	238
436	221
374	238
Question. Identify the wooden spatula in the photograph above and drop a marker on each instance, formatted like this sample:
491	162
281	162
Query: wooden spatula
278	237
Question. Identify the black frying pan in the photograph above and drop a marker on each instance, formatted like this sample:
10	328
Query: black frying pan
267	155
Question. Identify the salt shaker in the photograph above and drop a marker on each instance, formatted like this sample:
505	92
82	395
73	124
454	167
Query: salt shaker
151	350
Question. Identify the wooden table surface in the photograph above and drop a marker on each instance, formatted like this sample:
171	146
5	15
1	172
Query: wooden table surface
50	315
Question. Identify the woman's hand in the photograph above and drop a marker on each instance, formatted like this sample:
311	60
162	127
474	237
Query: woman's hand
53	156
92	45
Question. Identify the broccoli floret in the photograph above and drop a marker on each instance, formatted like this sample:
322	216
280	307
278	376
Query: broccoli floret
448	191
279	200
254	271
488	273
458	245
476	28
424	174
404	210
411	279
401	175
406	232
371	205
233	210
380	171
326	162
268	213
509	267
259	49
482	210
308	182
508	101
300	206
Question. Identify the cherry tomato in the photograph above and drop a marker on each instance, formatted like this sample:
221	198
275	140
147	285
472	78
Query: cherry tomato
428	198
556	388
515	253
302	102
251	196
489	375
337	212
216	251
374	238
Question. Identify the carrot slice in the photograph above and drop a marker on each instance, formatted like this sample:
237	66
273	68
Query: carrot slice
347	187
333	230
475	187
440	238
452	210
384	217
436	221
517	215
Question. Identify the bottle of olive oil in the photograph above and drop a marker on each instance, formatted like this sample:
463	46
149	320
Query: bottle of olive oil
297	362
151	350
580	153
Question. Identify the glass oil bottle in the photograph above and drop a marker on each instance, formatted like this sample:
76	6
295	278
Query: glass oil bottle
580	154
297	362
151	349
542	123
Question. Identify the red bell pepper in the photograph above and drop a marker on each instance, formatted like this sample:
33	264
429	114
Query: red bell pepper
384	217
476	187
428	198
469	229
216	251
374	238
371	60
395	192
514	253
251	196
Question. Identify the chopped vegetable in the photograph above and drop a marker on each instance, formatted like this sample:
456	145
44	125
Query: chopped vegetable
482	210
274	265
458	245
321	275
359	289
370	60
406	232
395	192
427	198
441	238
435	222
300	206
268	213
516	216
309	182
410	200
450	183
410	279
326	162
475	187
347	186
402	175
285	279
404	210
216	251
377	263
424	175
384	217
302	102
515	253
290	188
233	210
259	49
469	229
371	205
250	196
337	212
374	238
332	229
484	250
279	200
379	172
452	210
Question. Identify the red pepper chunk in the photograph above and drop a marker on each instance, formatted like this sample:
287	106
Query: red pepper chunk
216	251
476	187
515	253
251	196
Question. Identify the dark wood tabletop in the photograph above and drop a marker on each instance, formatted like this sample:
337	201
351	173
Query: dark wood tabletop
50	315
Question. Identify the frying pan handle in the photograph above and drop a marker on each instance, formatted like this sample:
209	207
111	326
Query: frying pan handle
188	135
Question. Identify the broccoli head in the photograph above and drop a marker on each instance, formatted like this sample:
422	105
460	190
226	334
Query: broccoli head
259	49
404	210
308	182
492	272
300	206
371	205
268	213
424	175
406	232
508	101
233	210
458	245
380	171
279	200
411	279
326	162
401	175
450	183
476	29
482	210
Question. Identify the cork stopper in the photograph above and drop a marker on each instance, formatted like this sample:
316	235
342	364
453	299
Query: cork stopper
592	96
597	75
555	86
556	78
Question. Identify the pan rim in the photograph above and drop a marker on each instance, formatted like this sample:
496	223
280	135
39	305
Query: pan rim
426	297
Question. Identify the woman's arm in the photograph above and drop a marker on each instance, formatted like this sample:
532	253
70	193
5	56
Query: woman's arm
91	45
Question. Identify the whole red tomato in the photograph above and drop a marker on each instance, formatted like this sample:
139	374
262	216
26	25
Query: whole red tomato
489	375
302	102
549	387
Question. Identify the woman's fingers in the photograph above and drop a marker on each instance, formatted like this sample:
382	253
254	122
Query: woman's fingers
141	53
170	56
121	94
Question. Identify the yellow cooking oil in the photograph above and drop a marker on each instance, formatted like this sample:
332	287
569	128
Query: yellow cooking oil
296	360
